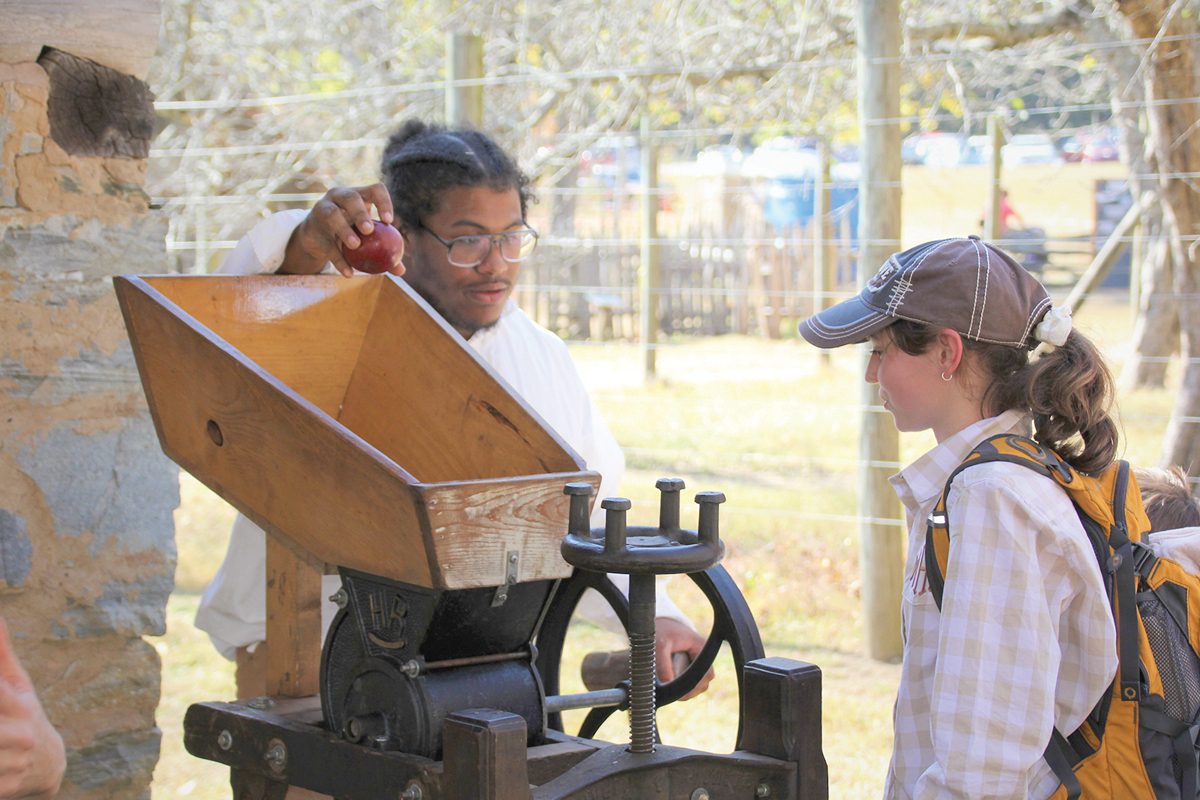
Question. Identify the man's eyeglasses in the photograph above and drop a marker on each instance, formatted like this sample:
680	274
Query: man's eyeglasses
473	250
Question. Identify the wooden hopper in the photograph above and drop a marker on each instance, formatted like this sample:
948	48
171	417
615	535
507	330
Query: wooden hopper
349	421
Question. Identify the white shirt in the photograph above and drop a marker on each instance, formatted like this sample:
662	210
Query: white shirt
1025	640
531	359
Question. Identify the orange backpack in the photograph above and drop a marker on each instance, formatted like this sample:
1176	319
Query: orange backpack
1139	742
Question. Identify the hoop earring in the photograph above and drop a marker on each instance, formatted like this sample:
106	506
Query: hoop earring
947	380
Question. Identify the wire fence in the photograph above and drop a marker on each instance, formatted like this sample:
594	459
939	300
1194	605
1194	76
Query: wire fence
740	233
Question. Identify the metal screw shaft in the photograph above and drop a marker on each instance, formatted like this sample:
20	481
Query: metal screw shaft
641	664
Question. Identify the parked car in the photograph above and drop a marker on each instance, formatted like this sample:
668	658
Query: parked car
1098	144
1030	148
1101	146
978	150
781	155
940	149
1071	148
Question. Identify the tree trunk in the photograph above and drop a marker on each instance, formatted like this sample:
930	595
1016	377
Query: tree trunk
1174	116
1156	334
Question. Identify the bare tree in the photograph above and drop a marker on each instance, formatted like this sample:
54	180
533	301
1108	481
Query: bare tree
261	105
1168	74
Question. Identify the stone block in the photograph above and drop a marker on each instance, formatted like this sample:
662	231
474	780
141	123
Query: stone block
16	549
119	764
86	496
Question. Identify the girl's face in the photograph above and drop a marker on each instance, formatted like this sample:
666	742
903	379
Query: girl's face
911	386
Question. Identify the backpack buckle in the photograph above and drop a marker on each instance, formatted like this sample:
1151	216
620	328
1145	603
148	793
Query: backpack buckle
1143	558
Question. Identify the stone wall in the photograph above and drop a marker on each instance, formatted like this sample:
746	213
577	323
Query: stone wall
87	552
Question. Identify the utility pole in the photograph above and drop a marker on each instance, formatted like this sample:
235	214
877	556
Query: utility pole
464	62
881	556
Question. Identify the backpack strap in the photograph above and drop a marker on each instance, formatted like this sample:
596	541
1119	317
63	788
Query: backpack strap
1007	447
1122	564
1022	450
1183	737
1058	756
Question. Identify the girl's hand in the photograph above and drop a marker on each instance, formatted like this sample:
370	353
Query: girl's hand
336	219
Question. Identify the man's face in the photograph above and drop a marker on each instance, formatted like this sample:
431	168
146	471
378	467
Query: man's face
469	298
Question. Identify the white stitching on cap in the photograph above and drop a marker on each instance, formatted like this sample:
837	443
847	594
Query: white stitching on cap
817	326
987	267
905	284
1029	323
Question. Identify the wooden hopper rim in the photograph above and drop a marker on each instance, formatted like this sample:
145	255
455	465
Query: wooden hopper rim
420	492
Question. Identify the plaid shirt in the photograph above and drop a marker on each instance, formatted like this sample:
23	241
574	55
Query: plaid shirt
1025	639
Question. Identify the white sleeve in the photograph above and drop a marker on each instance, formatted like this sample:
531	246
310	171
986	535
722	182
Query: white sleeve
262	249
233	609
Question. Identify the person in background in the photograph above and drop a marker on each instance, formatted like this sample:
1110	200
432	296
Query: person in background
1010	219
1168	499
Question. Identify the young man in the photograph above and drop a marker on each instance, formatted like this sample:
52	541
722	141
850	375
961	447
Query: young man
460	203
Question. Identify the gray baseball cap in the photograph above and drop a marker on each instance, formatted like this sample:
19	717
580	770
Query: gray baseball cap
965	284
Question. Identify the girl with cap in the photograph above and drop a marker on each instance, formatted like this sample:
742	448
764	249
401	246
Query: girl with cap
1024	642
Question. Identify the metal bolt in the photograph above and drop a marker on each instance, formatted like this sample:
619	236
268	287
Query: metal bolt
762	790
411	668
262	703
577	521
354	729
225	740
340	598
700	794
668	506
614	524
512	558
413	792
276	755
708	526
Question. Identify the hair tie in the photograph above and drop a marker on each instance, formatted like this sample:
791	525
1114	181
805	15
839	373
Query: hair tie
1055	326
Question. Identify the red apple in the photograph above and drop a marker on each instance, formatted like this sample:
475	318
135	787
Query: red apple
378	251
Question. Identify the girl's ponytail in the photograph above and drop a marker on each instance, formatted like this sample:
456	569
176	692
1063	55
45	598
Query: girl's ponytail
1069	391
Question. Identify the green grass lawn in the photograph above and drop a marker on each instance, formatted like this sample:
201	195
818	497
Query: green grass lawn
773	428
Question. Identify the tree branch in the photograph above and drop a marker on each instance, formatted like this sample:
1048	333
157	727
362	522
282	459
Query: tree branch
1003	34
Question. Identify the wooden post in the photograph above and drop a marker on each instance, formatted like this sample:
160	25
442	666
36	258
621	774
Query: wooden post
485	756
293	623
781	706
464	62
881	557
648	274
993	224
823	278
773	289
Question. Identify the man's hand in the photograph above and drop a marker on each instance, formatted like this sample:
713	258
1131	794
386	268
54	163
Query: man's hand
672	636
338	218
31	751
